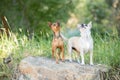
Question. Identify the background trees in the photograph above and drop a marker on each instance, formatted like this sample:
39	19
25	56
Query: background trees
33	15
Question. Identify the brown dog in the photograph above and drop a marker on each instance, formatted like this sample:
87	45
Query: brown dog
57	42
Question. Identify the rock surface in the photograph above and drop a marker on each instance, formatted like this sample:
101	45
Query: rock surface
40	68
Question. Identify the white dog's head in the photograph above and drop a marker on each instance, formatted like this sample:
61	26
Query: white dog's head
85	29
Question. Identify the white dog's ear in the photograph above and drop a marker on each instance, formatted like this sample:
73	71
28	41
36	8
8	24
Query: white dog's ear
90	24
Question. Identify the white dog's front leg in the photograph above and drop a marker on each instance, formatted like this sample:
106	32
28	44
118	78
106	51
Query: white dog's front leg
91	57
78	60
78	55
70	53
82	57
70	57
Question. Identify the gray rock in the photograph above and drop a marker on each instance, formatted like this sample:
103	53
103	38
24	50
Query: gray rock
40	68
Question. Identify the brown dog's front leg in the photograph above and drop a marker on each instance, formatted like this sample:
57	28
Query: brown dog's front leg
57	57
53	52
62	53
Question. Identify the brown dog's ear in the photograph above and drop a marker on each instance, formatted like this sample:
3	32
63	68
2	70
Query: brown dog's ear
49	24
58	23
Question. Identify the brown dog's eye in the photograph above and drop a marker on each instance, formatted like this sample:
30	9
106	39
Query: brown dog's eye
54	24
58	23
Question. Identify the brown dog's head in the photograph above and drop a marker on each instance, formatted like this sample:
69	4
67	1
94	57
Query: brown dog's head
54	26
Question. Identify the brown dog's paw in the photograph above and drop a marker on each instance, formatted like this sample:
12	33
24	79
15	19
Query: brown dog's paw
57	62
63	60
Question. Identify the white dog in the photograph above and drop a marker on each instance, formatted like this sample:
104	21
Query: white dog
82	44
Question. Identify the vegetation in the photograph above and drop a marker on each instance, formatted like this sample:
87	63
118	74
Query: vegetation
31	35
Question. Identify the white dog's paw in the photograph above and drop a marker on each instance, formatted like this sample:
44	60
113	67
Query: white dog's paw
78	61
82	63
91	64
70	60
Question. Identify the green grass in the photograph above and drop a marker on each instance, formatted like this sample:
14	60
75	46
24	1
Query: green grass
106	51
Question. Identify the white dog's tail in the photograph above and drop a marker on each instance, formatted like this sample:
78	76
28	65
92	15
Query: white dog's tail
64	38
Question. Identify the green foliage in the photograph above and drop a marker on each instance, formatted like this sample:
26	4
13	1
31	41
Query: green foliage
106	51
32	36
98	9
19	47
34	15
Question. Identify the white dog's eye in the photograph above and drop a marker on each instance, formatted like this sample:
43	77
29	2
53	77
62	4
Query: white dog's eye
83	25
86	25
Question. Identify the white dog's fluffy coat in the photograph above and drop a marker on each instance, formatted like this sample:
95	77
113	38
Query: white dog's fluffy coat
82	44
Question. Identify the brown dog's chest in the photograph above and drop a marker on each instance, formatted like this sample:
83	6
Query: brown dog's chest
57	42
